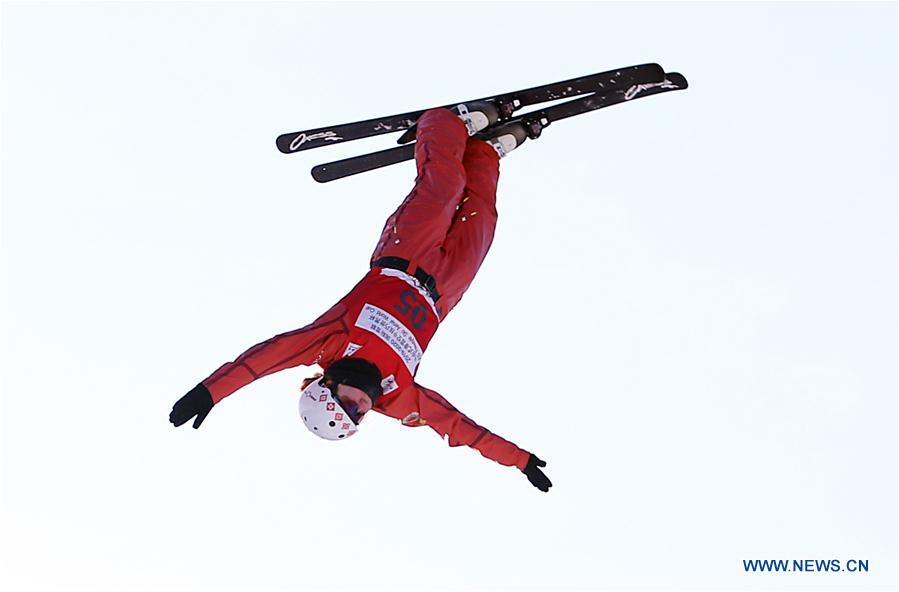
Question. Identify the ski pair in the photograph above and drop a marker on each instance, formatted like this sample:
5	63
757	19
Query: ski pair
606	88
534	122
507	103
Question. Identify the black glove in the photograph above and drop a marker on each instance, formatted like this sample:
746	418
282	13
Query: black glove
535	475
197	402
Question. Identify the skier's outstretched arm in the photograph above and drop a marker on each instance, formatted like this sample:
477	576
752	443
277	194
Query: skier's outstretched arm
303	347
446	420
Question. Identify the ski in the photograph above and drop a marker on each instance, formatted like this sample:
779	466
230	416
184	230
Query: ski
507	102
534	121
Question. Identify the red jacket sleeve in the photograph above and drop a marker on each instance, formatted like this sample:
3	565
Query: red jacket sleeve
321	340
446	420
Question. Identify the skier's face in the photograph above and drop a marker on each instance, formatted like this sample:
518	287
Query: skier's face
352	398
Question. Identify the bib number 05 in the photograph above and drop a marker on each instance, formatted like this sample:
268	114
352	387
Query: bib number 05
410	308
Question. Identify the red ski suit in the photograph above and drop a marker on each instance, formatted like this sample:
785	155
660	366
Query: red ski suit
429	252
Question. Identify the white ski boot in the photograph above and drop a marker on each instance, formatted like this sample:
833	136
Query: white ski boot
506	137
477	115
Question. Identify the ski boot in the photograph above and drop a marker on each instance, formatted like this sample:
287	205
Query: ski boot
477	115
506	137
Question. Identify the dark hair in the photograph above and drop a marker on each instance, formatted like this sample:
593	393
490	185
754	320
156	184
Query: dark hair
355	372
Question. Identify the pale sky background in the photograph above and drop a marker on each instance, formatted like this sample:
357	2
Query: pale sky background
689	310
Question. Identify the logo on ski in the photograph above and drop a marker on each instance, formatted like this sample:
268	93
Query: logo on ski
303	138
638	88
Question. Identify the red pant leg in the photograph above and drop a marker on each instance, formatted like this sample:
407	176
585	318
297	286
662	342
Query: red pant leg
471	233
419	226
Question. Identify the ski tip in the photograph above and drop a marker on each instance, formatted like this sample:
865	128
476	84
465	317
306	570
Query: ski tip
677	79
325	173
283	143
320	173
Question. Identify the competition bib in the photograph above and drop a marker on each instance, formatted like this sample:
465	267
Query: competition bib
392	332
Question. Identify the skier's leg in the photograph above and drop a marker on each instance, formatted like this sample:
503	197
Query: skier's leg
421	222
471	232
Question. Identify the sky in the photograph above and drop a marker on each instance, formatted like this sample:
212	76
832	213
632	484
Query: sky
689	310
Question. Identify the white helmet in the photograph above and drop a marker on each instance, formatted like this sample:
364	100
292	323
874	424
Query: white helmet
323	415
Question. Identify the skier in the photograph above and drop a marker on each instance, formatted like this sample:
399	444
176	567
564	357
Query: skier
370	343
